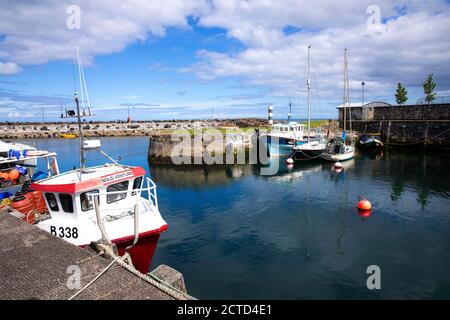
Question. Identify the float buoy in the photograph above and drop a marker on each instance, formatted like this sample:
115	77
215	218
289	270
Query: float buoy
24	205
289	161
14	174
4	175
364	205
338	165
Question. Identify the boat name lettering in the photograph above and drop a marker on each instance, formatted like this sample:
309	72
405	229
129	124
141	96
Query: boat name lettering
116	177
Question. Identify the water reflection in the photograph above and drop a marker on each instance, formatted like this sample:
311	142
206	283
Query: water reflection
232	229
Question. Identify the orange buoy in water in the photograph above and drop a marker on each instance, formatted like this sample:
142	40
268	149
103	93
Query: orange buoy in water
364	205
14	174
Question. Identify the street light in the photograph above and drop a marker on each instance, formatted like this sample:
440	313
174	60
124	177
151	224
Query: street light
362	85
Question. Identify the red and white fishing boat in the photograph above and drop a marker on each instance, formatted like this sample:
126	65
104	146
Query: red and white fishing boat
111	202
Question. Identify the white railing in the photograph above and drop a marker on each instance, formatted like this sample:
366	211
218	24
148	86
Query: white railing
149	187
152	198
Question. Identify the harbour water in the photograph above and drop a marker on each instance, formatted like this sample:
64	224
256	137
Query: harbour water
236	234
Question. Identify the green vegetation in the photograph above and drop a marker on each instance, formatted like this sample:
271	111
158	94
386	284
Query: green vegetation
428	89
401	95
315	123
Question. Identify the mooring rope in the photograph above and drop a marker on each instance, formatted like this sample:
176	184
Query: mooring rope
153	280
95	279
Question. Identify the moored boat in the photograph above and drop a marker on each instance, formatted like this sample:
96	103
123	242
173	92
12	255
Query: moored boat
68	135
337	150
315	145
370	142
113	203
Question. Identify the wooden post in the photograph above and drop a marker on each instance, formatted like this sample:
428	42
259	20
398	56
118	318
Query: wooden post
426	133
389	132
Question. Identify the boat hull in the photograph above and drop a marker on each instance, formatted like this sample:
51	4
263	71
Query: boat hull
371	146
338	156
281	148
307	154
142	253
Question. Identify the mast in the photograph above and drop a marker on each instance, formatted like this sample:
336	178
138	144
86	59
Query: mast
345	88
80	130
346	93
308	83
290	111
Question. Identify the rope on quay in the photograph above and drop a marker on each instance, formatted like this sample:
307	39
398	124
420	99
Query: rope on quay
95	279
153	280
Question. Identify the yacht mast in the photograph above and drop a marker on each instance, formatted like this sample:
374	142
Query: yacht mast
346	92
80	130
308	83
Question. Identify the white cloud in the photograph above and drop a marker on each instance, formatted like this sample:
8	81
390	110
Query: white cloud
35	32
413	43
9	68
16	115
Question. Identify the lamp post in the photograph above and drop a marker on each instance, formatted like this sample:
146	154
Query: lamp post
362	85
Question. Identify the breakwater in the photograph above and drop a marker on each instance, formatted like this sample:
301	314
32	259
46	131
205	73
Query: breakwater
209	147
406	125
27	130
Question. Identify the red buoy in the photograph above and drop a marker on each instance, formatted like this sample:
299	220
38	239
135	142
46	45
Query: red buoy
364	204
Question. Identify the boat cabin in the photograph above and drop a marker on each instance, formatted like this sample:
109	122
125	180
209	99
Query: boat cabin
70	199
288	127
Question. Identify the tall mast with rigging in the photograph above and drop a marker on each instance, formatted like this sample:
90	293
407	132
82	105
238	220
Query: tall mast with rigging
308	83
78	114
346	102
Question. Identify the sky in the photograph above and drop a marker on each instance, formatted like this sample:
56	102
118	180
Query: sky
197	59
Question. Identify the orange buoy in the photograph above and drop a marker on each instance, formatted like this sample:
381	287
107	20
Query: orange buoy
364	204
4	175
25	205
14	174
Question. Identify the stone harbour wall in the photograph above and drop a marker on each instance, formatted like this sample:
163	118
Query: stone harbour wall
406	125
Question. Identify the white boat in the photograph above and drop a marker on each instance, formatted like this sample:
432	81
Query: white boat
113	203
22	159
283	137
338	149
313	147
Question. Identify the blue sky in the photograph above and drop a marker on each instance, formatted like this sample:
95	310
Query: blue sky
187	59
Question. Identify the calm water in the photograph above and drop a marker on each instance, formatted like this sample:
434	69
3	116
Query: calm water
236	234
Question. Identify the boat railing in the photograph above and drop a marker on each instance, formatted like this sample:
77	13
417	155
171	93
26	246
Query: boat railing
148	192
